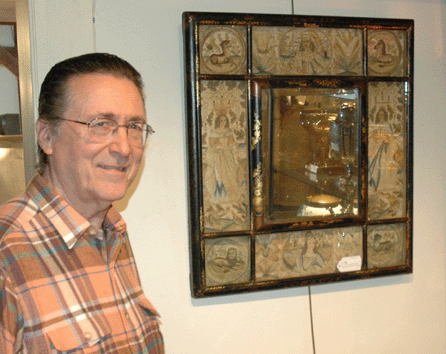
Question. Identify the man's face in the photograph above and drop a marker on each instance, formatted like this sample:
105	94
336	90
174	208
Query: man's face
90	174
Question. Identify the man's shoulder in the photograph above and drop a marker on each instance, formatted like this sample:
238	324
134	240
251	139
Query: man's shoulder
15	214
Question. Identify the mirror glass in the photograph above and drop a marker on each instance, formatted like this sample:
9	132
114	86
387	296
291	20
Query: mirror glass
311	149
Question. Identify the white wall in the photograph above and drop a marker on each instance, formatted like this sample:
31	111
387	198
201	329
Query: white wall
399	314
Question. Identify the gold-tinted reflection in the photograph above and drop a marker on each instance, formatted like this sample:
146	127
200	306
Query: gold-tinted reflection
310	152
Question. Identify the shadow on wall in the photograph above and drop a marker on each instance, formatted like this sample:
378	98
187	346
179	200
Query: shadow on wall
345	286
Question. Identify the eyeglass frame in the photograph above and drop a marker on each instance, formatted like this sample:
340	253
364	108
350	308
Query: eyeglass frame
147	127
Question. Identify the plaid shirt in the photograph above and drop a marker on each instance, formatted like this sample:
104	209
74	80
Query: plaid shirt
67	287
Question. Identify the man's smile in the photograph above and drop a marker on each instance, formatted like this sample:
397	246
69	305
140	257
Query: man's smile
116	168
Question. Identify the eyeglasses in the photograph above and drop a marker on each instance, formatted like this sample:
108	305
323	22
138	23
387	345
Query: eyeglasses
101	130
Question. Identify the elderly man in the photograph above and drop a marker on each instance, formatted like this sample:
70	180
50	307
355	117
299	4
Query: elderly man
68	281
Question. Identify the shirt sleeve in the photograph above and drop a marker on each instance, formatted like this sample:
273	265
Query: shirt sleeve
10	317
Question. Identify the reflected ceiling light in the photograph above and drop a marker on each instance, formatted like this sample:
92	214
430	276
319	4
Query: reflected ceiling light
3	153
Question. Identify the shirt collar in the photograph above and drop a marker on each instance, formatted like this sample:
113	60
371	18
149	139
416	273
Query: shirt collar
65	219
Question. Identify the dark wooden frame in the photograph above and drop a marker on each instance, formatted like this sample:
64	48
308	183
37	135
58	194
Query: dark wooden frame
194	78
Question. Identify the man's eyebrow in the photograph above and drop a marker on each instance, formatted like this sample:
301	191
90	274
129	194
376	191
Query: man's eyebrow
112	116
137	119
105	115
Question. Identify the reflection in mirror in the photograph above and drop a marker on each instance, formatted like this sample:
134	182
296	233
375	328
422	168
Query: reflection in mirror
310	152
12	174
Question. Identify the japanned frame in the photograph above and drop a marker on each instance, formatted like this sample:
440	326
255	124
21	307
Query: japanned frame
196	77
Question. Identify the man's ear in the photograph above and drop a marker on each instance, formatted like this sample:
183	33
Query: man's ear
44	136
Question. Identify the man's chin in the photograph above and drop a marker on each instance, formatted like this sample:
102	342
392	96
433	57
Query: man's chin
115	193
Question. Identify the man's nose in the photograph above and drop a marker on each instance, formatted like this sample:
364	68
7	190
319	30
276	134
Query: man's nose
120	141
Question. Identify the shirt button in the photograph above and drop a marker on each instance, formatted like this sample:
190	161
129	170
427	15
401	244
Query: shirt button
127	316
87	336
92	232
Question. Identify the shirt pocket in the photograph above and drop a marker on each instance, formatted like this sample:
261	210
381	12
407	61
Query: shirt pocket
147	307
79	333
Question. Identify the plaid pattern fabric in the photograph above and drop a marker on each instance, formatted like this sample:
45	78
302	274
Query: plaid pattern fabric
66	286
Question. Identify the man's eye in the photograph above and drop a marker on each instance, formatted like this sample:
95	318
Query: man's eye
135	126
102	124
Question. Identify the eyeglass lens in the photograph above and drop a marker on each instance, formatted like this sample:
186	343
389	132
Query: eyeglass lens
137	132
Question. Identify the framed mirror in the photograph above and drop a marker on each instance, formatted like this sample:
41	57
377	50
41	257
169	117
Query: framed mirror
300	149
311	151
